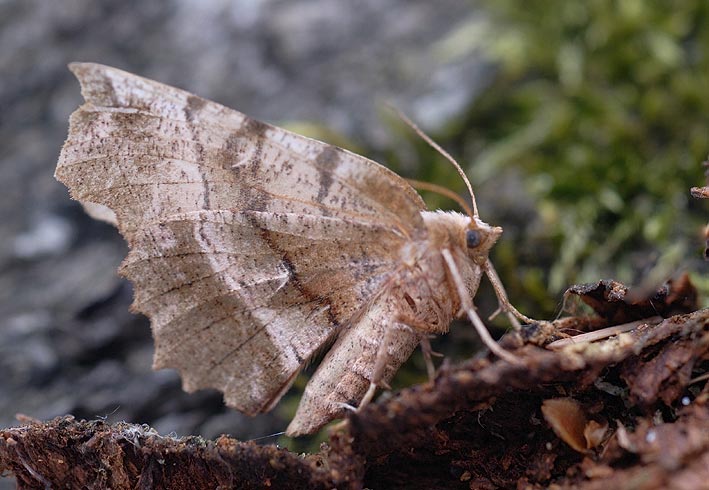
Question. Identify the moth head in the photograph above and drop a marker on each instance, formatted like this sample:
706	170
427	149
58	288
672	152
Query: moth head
480	237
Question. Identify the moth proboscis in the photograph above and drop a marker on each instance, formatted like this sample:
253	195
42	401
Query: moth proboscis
252	247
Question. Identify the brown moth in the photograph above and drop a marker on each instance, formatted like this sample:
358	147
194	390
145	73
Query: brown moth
252	248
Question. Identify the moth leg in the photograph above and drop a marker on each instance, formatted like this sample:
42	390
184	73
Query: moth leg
512	319
368	396
425	343
504	303
347	406
467	305
378	371
428	353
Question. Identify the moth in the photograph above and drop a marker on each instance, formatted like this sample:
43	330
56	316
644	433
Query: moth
253	248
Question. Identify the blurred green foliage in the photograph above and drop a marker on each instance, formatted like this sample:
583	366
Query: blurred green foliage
602	106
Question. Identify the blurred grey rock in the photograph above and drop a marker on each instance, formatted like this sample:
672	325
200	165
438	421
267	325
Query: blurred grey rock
50	235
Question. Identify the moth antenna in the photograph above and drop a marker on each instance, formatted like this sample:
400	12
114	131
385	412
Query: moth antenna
440	150
444	191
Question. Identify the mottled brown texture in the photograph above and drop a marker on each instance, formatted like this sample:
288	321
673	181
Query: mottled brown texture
65	453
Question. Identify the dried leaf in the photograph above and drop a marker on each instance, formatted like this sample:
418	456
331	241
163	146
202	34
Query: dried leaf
567	418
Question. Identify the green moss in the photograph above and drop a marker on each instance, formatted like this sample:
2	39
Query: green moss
603	106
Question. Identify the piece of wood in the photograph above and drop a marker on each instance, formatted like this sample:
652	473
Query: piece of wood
477	425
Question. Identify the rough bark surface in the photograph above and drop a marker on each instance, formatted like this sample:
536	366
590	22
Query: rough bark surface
65	453
641	398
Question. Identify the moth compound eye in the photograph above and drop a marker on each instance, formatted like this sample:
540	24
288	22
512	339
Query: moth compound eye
472	238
